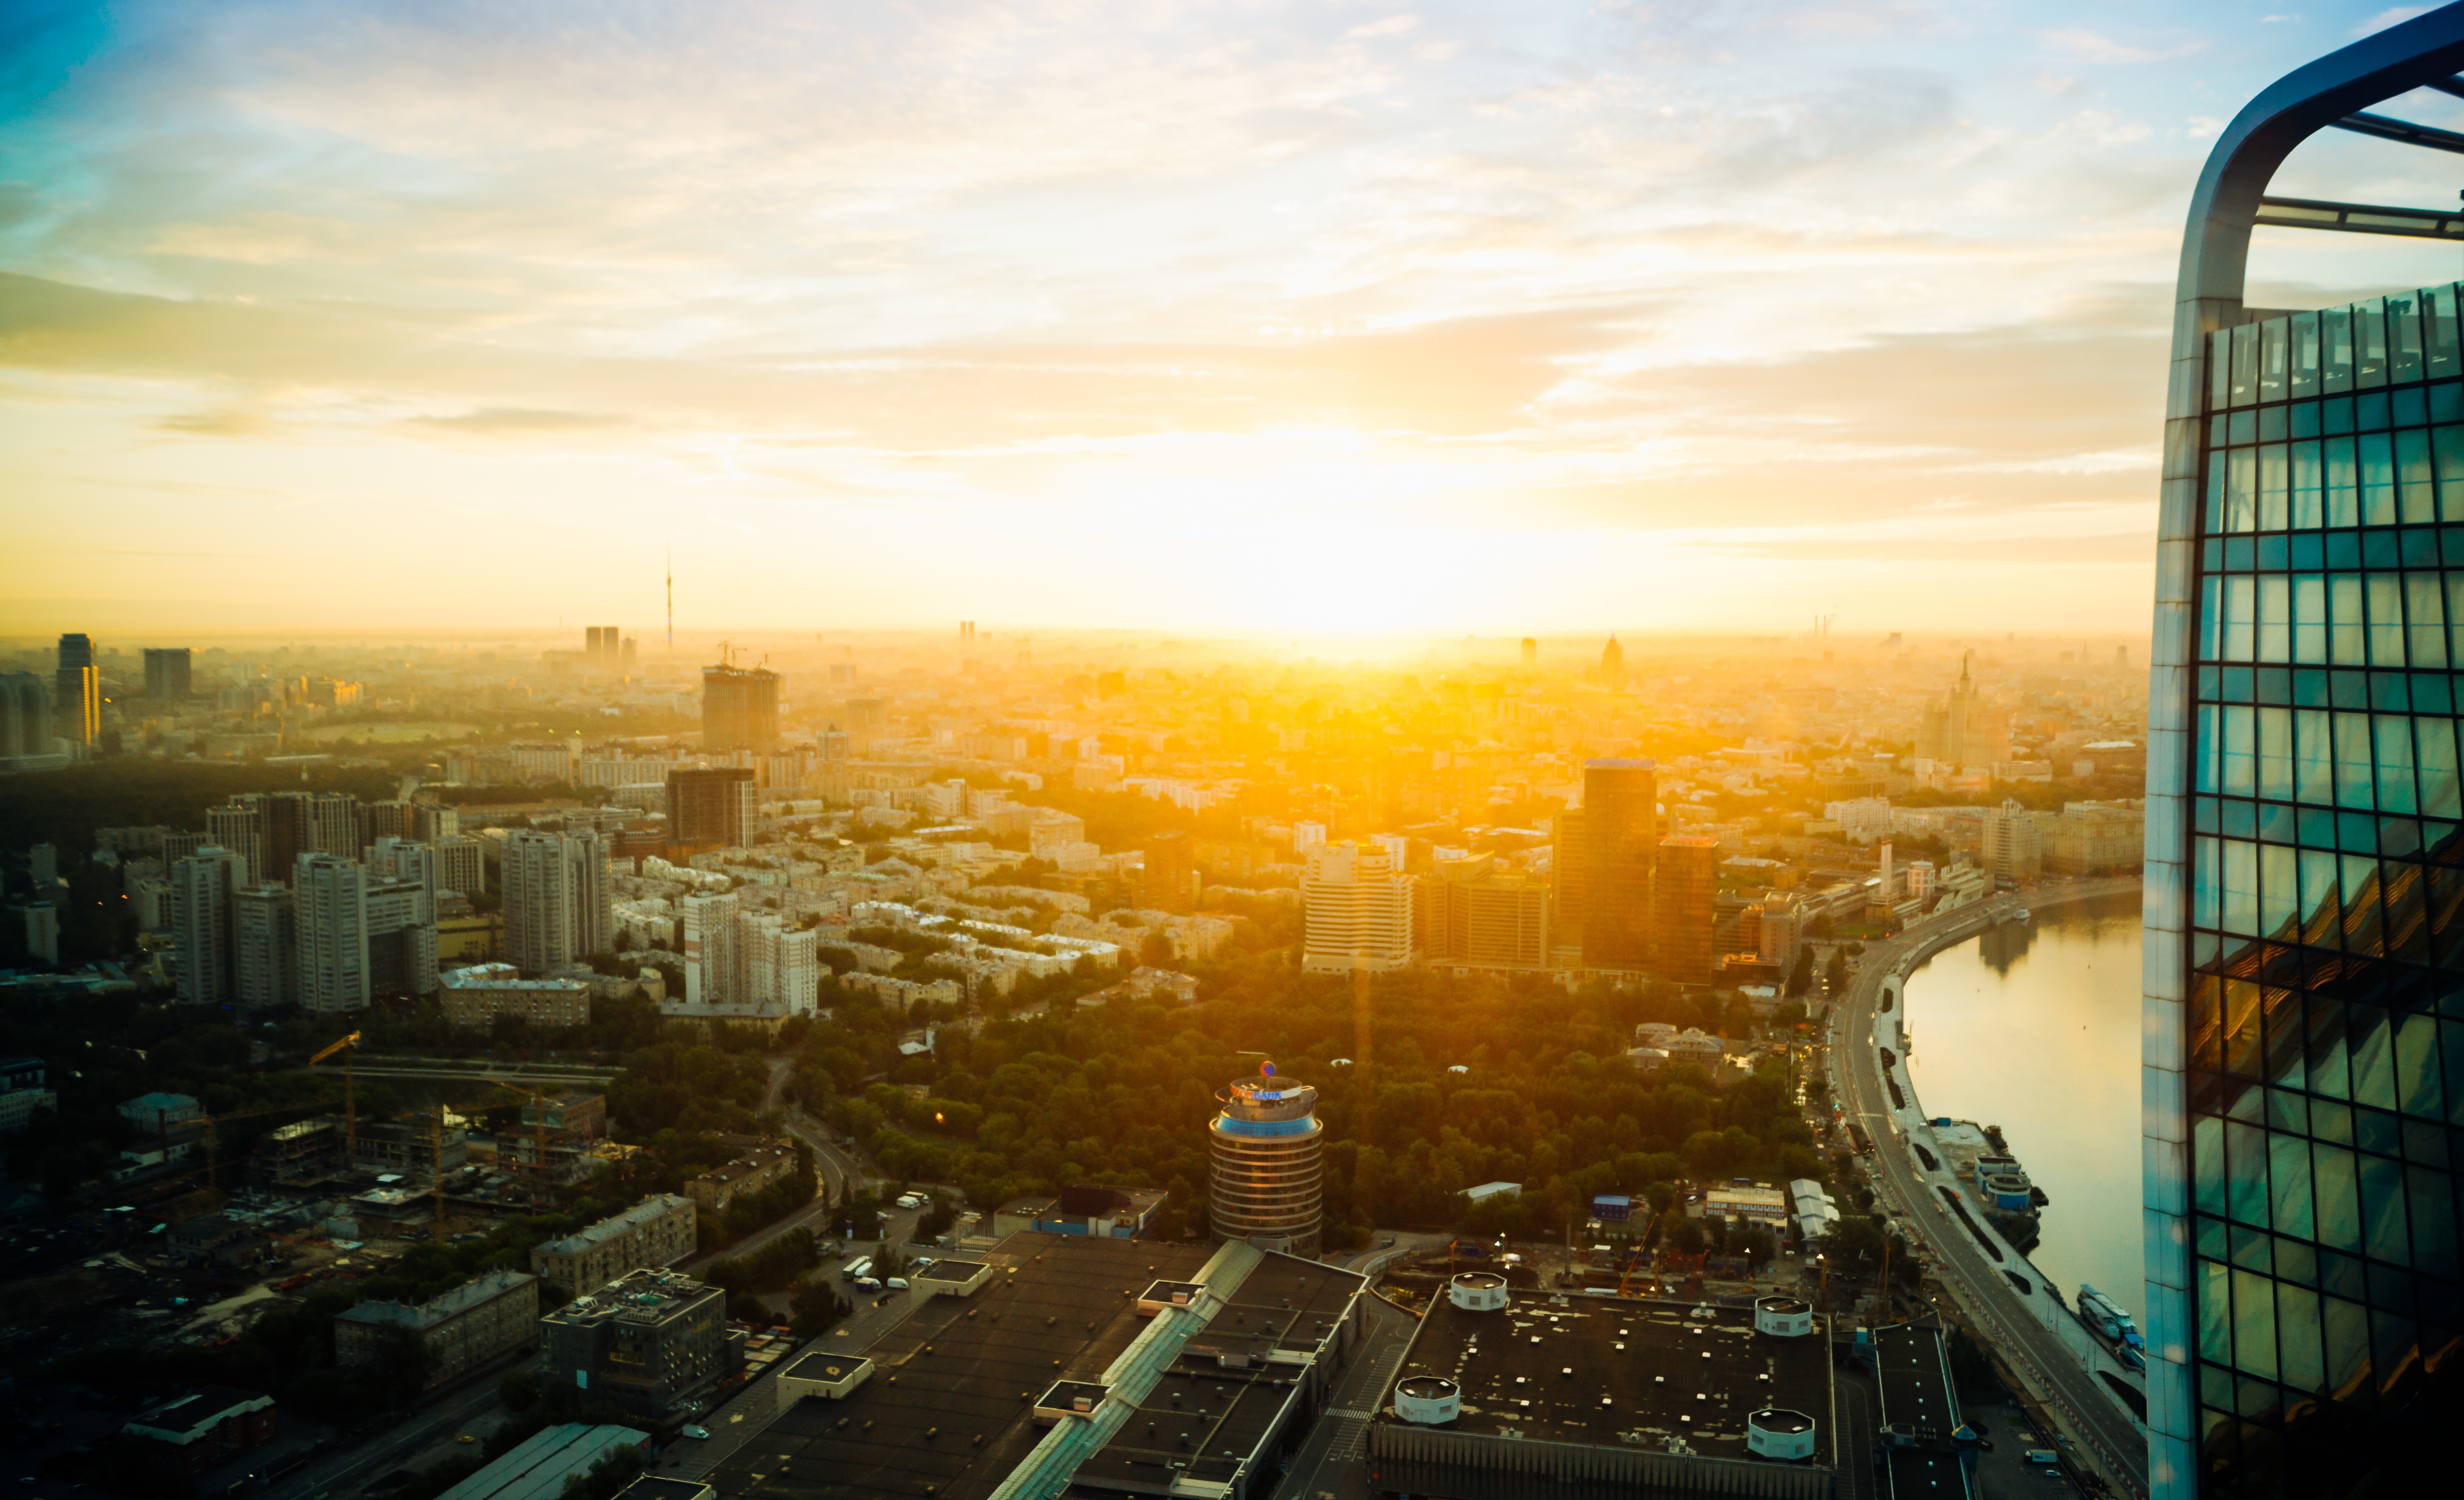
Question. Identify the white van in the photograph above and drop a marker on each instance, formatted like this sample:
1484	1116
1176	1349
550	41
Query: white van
868	1284
897	1284
910	1200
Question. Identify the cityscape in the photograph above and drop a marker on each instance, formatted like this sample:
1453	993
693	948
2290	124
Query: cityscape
1070	955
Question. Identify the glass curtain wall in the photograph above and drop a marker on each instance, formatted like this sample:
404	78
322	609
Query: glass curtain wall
2326	1014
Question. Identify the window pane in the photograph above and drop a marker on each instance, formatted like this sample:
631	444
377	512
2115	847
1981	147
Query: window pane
2274	618
2272	360
2361	874
2207	1163
2245	1159
2340	1208
2314	757
2241	599
2425	628
2385	592
2433	1221
2241	889
2376	454
2383	1211
2276	754
2348	1346
2288	1182
2245	364
2343	483
2447	455
2404	340
2253	1299
2435	738
2210	761
2334	351
2212	615
2299	1349
2308	513
2243	1052
2395	763
2327	1067
2309	619
2321	899
2437	334
2206	893
2353	761
2344	619
2416	497
2369	346
2416	1067
2280	894
2241	751
2373	1062
2216	1311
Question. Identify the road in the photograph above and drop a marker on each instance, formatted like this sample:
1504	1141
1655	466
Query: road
2055	1376
353	1469
1332	1463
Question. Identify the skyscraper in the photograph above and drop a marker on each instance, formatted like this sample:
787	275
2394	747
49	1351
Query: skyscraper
1267	1182
329	901
265	943
202	886
2303	1059
273	829
167	672
1620	840
25	715
77	693
712	807
559	899
402	917
1613	665
1962	729
1685	897
740	709
714	963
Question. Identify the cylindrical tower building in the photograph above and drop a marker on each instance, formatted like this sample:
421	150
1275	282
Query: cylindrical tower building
1269	1171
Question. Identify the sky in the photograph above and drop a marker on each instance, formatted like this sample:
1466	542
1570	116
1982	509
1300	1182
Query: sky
1238	317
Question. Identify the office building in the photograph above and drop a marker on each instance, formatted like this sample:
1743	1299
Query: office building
462	1329
716	807
1962	730
1483	918
1171	873
1684	899
167	673
2304	927
202	889
739	710
24	720
1266	1161
265	946
656	1231
648	1342
1357	912
330	904
1621	842
2012	850
559	899
77	693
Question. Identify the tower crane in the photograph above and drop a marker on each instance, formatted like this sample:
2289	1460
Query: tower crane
349	1048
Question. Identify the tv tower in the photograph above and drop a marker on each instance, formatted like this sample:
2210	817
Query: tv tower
672	601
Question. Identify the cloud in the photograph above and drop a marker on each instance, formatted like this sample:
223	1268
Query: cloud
1392	26
521	422
2090	47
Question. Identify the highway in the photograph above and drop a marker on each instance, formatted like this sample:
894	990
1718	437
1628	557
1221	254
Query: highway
2099	1429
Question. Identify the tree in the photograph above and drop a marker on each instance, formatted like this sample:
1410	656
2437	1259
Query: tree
1834	973
1800	979
520	1389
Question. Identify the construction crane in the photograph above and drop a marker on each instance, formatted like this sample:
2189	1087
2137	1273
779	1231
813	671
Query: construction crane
349	1048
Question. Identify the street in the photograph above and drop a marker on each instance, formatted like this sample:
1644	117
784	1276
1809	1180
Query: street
2105	1434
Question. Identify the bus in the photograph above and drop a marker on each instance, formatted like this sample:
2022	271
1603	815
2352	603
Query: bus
857	1270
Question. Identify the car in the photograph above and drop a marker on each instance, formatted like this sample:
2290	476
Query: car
1386	1244
699	1433
466	1438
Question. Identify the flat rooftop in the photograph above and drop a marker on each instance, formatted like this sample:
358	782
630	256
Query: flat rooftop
949	1408
1612	1372
1221	1397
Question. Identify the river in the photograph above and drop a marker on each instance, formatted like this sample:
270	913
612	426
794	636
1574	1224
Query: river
2037	1030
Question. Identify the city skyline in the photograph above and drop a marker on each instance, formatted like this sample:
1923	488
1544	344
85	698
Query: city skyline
1151	328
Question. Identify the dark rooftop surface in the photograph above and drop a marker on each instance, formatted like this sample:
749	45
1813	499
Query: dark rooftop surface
1219	1399
1914	1372
1621	1371
950	1408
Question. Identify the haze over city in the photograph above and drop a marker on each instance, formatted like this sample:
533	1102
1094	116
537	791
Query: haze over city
1264	318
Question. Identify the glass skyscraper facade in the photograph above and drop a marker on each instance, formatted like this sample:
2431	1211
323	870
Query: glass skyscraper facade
2324	1085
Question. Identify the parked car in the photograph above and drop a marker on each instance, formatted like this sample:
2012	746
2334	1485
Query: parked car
698	1432
897	1284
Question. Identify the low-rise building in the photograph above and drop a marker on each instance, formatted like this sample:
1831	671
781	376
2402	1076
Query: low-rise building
648	1342
659	1230
540	1466
748	1174
1117	1213
167	1446
217	1241
474	997
463	1329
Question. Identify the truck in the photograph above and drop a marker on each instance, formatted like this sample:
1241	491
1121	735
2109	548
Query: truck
1860	1139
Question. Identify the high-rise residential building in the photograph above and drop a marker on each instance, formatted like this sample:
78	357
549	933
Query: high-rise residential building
402	917
1686	894
714	962
385	820
1355	911
2012	851
431	821
202	886
1171	883
713	807
783	965
167	673
559	899
1612	668
458	865
273	829
629	656
25	717
740	709
2304	906
41	926
329	895
1620	843
1786	924
76	691
265	946
1963	729
1266	1177
1482	919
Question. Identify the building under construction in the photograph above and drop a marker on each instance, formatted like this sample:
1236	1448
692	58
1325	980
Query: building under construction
311	1151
